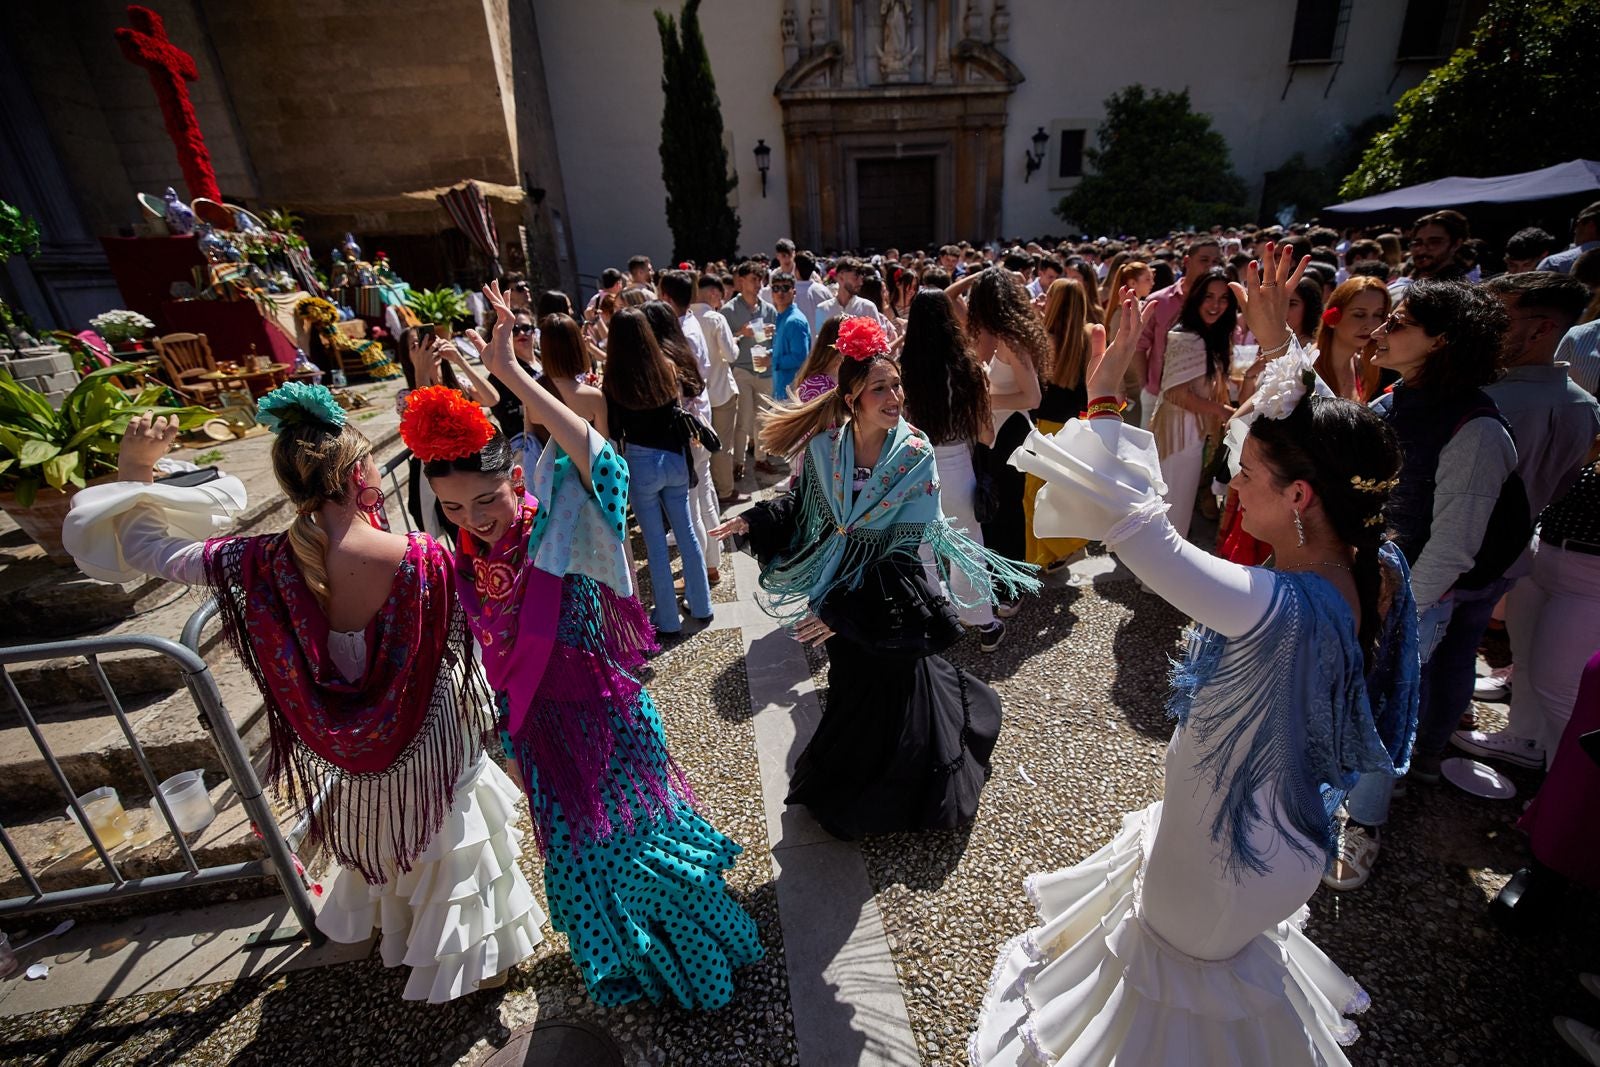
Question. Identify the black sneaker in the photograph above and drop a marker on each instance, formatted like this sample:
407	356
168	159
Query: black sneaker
989	637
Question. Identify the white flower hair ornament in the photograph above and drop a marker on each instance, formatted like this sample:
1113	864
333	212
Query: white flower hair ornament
1283	384
1279	390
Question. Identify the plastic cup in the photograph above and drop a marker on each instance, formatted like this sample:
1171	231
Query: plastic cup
760	359
188	800
106	817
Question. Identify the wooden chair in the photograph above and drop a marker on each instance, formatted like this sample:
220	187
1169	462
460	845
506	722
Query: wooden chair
186	357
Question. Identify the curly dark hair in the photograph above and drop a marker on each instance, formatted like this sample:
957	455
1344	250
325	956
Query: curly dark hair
1473	323
998	303
1219	335
947	395
1331	443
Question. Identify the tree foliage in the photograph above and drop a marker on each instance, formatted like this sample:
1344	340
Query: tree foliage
1300	188
1159	166
1519	97
694	163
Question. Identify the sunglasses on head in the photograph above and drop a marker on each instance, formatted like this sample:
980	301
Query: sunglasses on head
522	329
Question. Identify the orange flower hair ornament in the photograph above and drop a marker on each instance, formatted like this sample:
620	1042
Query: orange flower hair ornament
440	423
861	338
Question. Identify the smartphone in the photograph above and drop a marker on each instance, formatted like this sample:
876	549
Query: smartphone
185	479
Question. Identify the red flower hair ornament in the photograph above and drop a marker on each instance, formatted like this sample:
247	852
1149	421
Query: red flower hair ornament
861	338
440	423
1331	317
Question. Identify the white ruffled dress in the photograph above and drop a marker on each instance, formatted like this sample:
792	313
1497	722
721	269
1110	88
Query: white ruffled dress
464	911
1152	952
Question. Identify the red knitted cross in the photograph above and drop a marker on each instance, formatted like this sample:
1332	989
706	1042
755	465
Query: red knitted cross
169	68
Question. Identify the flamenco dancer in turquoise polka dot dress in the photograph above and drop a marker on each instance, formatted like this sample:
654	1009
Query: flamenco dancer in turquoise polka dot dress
633	874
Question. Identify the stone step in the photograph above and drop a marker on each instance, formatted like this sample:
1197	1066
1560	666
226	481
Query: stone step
93	751
59	855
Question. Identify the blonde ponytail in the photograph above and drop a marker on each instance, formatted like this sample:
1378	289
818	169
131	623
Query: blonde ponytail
785	428
309	542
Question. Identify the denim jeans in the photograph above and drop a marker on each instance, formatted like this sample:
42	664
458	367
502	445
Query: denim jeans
1447	636
660	484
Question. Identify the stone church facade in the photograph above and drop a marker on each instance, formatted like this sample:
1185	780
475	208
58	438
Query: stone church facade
903	122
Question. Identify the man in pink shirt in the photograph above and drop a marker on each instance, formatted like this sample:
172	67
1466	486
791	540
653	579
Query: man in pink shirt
1161	314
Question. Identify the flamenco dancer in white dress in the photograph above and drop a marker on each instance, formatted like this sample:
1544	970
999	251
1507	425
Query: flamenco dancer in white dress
1180	941
360	648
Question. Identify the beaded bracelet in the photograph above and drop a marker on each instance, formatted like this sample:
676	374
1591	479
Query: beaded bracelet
1275	350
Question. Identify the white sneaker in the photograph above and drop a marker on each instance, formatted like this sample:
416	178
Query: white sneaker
1496	685
1584	1039
1522	751
1358	852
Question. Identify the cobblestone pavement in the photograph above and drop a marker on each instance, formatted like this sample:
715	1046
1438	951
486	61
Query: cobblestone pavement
1083	676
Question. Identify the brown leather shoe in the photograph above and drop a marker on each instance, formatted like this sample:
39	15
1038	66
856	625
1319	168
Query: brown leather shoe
714	576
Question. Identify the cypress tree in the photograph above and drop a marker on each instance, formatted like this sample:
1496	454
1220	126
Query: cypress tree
694	164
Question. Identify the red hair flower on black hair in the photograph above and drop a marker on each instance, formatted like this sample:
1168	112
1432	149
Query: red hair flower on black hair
440	423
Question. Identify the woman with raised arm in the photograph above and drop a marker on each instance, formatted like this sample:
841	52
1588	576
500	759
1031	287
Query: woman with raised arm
362	654
632	872
1180	941
905	737
1193	408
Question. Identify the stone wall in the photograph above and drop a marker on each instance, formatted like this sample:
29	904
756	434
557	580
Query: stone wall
46	369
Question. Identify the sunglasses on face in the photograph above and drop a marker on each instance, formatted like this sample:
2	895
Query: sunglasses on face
522	329
1393	324
783	288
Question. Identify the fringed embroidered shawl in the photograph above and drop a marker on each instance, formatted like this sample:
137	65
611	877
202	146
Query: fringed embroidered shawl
398	738
562	649
842	531
1292	704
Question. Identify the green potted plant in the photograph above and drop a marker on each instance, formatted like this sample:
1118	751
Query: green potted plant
442	307
19	236
47	455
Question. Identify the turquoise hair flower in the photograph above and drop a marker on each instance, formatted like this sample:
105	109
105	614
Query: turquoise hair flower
296	402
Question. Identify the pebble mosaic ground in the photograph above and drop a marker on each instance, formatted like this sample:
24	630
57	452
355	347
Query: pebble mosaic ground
1083	676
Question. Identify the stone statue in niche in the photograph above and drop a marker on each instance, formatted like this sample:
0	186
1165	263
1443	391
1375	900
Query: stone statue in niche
896	52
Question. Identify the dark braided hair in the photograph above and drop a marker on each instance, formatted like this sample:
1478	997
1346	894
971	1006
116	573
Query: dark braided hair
1351	459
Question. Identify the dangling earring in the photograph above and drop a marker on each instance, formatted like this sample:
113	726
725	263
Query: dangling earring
1299	528
369	498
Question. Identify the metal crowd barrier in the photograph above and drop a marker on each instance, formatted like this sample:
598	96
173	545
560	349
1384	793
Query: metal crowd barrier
388	470
235	759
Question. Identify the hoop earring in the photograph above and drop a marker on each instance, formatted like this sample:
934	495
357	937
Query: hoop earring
1299	528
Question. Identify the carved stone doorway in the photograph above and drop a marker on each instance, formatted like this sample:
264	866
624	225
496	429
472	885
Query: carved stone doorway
896	203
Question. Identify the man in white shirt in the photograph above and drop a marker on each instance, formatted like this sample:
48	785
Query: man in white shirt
678	290
722	390
1050	268
848	273
785	254
809	294
1585	235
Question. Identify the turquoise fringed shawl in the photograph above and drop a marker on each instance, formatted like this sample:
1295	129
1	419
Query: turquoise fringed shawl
1311	717
842	531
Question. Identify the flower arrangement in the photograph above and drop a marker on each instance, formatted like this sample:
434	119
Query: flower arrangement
440	423
295	402
121	325
861	338
438	306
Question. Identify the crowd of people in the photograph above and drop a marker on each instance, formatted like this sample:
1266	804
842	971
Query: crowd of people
1347	456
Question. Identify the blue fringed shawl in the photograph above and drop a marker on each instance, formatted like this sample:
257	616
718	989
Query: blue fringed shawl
1293	689
842	531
